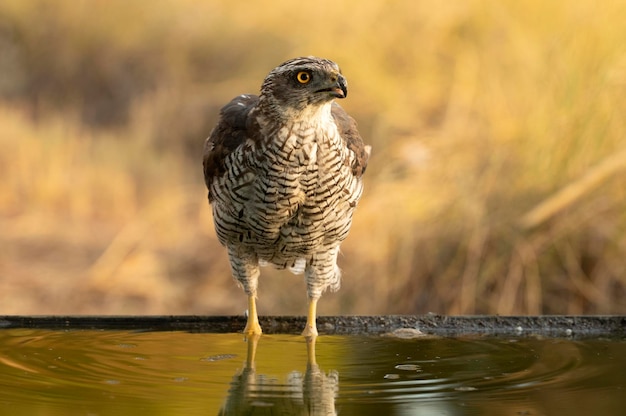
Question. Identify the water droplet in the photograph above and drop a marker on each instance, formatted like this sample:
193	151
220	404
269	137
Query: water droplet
122	345
408	367
218	357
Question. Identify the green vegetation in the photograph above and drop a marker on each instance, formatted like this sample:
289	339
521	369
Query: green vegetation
496	183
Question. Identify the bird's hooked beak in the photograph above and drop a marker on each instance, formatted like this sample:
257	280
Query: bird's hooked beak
338	87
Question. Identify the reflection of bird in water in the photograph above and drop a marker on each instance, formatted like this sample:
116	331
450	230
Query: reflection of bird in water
255	394
283	171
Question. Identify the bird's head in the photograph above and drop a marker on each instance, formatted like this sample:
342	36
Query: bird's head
302	82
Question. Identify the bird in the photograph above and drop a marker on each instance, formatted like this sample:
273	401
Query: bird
284	174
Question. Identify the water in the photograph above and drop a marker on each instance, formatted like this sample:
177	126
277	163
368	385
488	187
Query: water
91	373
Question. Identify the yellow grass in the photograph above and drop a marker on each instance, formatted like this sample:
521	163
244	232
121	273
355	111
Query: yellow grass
496	183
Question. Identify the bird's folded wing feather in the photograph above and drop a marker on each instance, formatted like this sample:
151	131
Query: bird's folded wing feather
352	139
231	131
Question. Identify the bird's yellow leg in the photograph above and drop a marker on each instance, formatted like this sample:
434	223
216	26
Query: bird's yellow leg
252	325
310	330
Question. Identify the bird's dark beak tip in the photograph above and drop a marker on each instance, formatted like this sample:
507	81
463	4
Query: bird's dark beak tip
341	88
339	92
343	85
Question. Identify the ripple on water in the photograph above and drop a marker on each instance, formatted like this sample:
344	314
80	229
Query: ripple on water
485	373
122	372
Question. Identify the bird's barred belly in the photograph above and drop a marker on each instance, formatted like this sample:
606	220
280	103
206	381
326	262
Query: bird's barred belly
287	200
286	217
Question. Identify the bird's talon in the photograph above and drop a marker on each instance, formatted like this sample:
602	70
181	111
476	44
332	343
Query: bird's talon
309	332
252	329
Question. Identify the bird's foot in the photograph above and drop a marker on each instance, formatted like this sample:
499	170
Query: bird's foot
310	331
252	328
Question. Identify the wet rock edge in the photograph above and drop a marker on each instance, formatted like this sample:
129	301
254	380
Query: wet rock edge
431	324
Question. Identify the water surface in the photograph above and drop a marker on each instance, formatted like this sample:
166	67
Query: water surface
81	372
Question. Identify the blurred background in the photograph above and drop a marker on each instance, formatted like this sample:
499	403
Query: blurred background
497	182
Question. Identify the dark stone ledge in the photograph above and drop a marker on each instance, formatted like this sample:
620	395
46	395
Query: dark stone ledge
442	325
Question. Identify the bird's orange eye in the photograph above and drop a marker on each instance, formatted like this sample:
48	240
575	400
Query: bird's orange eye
303	77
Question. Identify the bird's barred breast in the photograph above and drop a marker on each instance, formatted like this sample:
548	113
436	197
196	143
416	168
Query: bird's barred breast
288	198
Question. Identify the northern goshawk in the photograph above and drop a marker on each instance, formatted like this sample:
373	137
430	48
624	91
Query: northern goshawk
284	170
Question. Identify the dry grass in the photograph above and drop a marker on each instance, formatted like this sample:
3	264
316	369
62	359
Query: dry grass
496	183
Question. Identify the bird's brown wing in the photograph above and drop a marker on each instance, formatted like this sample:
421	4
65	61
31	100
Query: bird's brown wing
351	137
231	131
